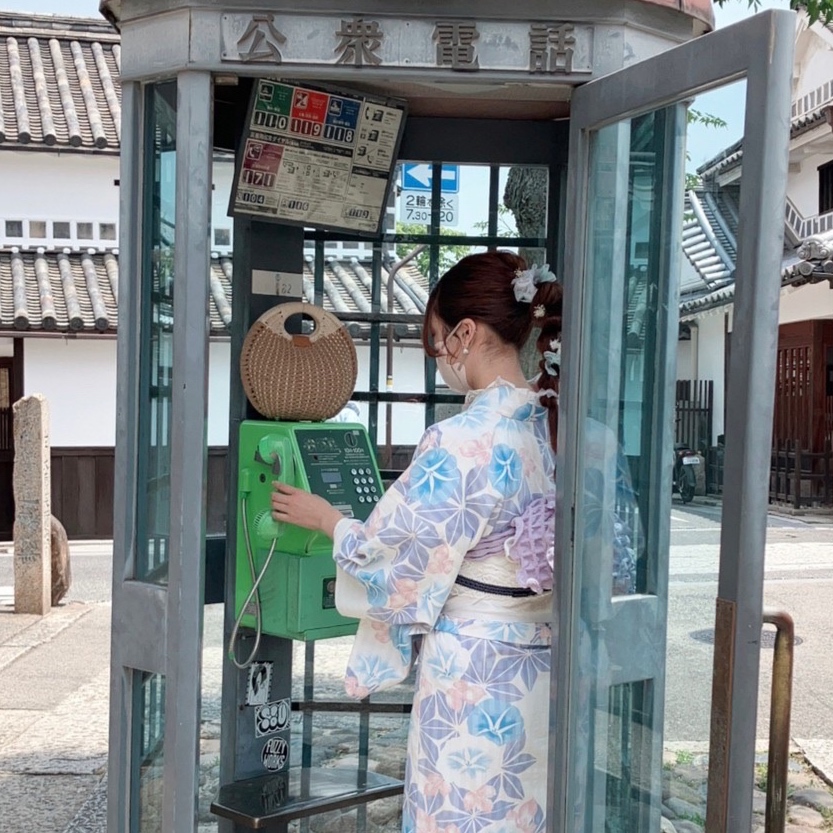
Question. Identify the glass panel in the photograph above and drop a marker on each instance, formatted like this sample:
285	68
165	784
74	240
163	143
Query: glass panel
626	757
709	239
157	334
626	508
147	776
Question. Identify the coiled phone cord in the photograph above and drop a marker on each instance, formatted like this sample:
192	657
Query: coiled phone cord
253	593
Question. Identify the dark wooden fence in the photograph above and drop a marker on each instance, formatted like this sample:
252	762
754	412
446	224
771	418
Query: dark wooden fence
82	490
694	413
799	477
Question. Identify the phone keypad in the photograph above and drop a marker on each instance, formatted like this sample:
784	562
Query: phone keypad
365	485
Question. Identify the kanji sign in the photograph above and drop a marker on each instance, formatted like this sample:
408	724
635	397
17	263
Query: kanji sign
451	45
415	207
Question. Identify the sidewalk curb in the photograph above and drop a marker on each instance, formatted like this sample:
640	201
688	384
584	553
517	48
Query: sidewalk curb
44	630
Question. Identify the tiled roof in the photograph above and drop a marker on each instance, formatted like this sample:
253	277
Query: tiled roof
59	83
708	243
727	158
66	291
811	262
58	291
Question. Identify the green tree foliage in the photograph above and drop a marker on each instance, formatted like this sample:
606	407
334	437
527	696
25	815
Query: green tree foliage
692	180
815	9
449	254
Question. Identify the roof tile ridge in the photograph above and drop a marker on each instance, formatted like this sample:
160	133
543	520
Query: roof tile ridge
21	110
50	137
94	114
61	78
46	25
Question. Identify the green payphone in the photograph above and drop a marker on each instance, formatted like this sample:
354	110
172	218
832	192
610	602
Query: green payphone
285	574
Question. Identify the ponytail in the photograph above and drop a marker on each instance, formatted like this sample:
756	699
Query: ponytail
546	309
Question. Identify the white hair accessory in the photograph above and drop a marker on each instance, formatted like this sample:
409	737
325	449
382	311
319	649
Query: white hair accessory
526	282
552	358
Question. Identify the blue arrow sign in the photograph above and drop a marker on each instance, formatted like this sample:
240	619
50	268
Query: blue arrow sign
418	176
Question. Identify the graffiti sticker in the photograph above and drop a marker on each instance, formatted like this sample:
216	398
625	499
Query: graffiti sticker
260	684
275	754
271	718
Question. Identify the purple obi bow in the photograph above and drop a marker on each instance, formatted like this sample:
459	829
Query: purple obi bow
528	541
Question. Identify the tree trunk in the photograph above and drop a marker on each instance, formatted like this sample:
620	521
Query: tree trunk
525	196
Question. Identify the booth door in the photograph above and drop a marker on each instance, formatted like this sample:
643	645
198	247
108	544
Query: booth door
623	261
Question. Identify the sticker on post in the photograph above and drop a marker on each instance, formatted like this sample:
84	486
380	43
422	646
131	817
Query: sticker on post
266	282
260	684
275	754
271	717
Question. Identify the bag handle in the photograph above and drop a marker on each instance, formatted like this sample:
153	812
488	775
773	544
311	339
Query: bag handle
325	322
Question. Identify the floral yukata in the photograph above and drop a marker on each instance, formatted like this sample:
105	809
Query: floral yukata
475	504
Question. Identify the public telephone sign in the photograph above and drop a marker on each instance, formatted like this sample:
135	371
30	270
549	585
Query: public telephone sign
314	157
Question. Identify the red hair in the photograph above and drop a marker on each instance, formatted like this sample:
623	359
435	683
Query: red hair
480	287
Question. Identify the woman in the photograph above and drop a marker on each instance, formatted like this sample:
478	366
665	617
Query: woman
459	553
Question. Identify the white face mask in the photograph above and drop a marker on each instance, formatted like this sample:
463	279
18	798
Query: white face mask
453	374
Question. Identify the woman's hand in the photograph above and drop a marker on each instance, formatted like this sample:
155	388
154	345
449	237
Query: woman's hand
295	506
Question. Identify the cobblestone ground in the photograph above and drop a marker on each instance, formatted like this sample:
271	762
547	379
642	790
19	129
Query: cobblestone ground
810	799
335	743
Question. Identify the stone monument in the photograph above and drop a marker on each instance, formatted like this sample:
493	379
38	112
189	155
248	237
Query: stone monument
33	515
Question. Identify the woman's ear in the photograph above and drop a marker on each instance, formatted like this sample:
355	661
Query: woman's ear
467	332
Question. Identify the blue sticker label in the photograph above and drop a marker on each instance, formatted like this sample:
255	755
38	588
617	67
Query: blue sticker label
343	112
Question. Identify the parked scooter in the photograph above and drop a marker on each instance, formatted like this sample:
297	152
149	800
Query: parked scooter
684	477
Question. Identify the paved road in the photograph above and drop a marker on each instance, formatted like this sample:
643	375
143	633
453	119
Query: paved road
798	579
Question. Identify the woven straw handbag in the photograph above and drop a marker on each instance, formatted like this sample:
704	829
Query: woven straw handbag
295	377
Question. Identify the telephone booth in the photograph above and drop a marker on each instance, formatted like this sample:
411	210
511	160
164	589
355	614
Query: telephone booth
345	141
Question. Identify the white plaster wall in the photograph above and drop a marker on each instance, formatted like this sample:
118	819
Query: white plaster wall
78	378
803	185
219	359
58	187
805	303
222	178
685	360
408	421
816	65
6	347
710	363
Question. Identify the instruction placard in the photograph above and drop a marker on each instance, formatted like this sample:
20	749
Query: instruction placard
317	158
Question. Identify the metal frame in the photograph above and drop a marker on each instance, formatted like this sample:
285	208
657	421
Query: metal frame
155	627
128	597
186	571
760	49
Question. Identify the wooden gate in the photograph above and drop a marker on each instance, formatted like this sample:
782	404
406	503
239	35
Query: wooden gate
803	386
11	389
695	414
